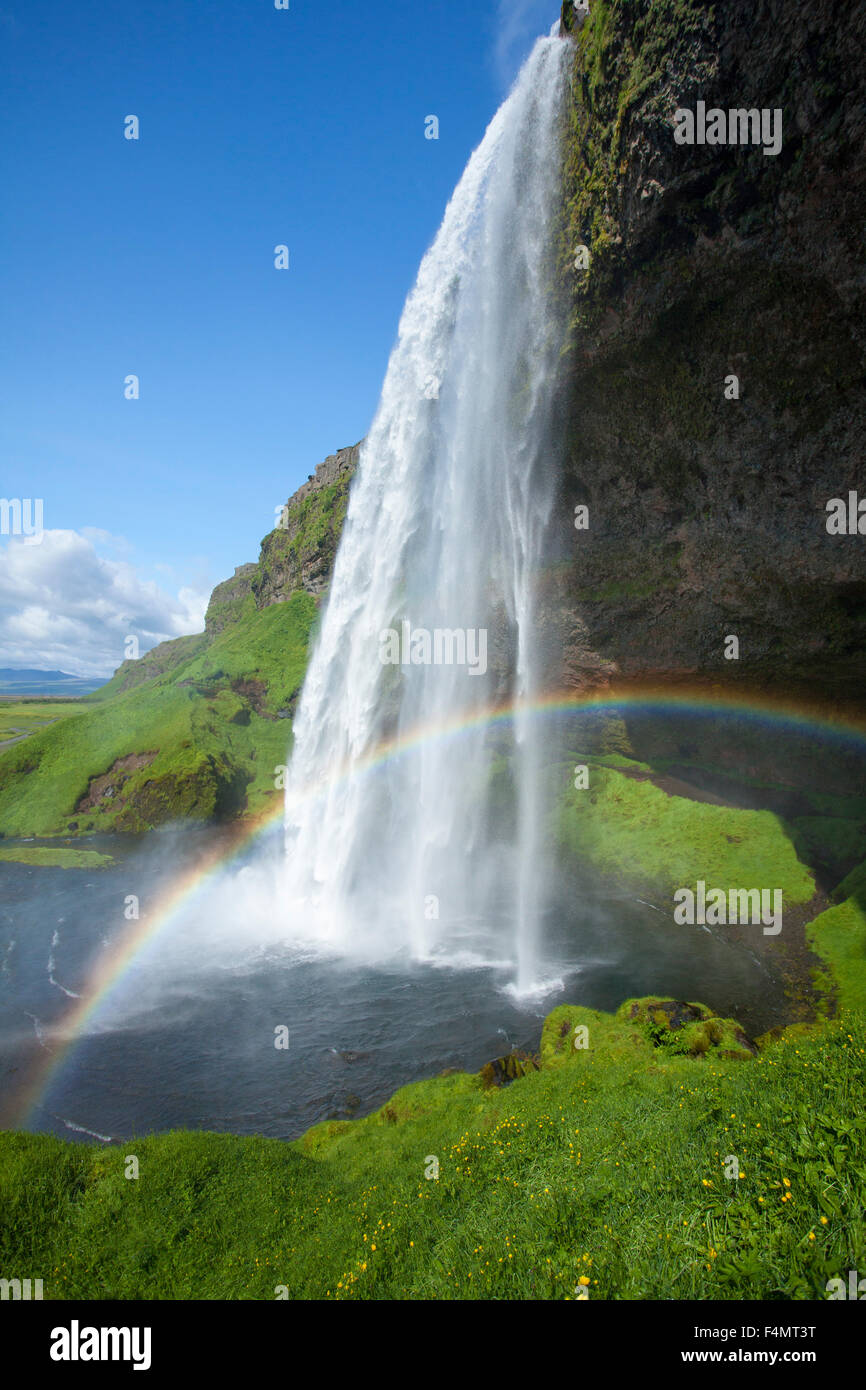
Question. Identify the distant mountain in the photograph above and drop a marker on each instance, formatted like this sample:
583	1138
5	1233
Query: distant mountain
10	674
32	681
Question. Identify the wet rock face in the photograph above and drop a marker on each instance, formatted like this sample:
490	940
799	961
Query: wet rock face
707	498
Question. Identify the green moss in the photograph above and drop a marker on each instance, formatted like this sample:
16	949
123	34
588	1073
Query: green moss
54	858
838	937
657	843
625	55
422	1097
308	535
620	762
833	843
854	886
227	612
686	1028
562	1037
615	738
502	1071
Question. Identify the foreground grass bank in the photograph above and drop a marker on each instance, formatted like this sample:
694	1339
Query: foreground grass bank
605	1173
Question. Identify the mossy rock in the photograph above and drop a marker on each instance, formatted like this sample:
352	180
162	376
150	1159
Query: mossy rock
687	1028
662	1013
503	1070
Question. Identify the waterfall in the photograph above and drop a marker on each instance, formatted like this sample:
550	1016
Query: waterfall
434	847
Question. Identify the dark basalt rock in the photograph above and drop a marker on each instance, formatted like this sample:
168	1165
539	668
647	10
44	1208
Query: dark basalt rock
708	515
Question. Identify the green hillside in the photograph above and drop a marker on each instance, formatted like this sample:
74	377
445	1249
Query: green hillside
199	737
196	727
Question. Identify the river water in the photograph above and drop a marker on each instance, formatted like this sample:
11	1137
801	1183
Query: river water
184	1036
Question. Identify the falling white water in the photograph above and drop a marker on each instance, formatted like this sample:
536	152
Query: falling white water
412	853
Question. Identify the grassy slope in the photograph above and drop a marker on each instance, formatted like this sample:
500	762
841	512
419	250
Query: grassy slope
606	1165
30	715
657	843
838	936
215	754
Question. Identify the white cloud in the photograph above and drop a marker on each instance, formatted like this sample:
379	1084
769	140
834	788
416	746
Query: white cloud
119	544
64	607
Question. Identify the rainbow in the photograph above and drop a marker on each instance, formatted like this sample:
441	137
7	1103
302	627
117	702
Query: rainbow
116	962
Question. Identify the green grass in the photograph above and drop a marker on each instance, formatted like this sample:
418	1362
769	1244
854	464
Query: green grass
214	748
159	661
46	857
838	936
606	1165
655	842
27	716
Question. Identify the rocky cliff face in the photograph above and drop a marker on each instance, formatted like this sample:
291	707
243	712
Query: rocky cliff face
230	599
707	498
299	553
297	556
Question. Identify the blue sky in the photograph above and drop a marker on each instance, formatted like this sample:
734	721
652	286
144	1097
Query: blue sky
156	257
